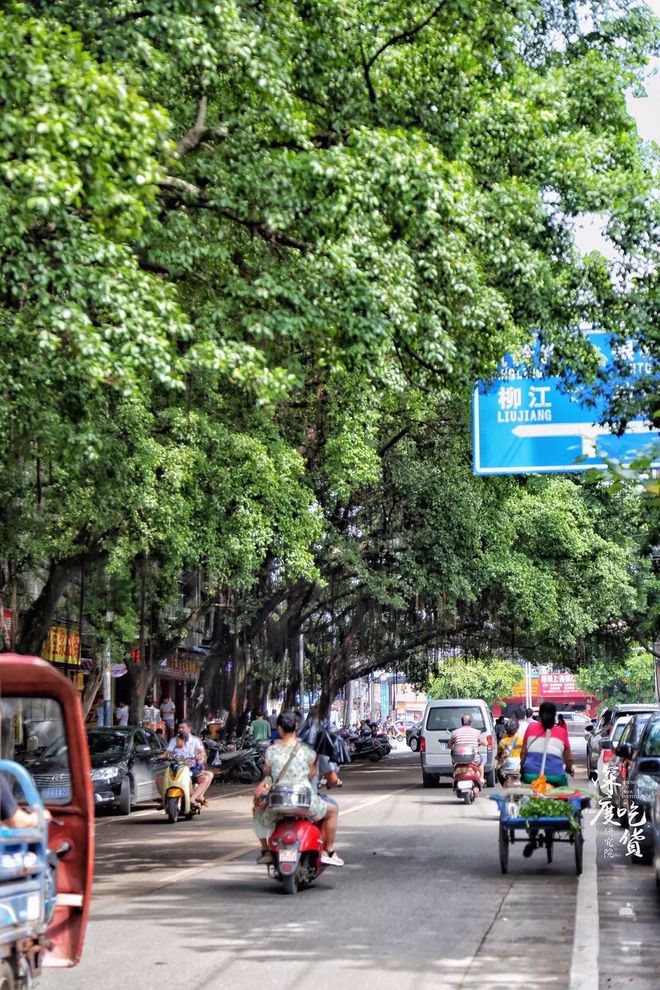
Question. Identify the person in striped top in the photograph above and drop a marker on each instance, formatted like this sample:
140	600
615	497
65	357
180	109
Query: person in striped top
466	735
546	749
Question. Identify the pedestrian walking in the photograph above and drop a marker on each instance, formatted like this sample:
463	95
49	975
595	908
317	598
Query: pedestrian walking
121	714
167	711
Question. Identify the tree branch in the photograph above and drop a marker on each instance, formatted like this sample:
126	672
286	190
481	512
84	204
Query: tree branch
201	200
420	360
393	441
367	75
194	135
406	35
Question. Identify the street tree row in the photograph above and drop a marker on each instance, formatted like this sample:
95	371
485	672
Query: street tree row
253	258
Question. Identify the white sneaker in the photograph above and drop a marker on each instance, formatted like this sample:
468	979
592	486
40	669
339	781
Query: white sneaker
329	860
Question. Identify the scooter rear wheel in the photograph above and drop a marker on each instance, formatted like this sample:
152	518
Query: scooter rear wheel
290	883
172	807
467	797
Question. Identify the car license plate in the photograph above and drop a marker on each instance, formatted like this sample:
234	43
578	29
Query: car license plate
441	744
54	793
288	856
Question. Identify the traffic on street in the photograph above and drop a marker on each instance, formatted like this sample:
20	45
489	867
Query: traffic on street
330	494
420	902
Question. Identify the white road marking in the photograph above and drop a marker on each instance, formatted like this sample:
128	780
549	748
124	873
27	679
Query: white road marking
586	939
124	820
193	871
127	819
376	800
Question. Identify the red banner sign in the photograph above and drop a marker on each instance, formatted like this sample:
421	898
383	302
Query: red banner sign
557	684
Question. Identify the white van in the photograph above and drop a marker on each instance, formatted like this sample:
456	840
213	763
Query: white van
440	720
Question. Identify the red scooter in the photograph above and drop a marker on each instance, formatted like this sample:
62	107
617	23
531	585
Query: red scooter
296	843
467	779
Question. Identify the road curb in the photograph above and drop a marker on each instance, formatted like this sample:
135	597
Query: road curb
586	940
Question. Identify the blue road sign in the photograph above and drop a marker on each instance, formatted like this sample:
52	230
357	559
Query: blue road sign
525	423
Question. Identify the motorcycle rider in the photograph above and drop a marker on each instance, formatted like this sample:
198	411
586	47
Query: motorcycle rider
466	735
11	814
292	762
509	745
194	755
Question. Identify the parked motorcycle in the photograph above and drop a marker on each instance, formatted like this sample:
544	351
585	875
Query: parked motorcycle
467	779
296	843
385	743
177	788
240	766
369	747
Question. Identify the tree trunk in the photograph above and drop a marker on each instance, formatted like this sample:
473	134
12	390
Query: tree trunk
37	619
348	703
139	680
328	689
94	682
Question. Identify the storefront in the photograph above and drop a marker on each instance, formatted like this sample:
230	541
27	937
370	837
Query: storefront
409	703
560	688
176	680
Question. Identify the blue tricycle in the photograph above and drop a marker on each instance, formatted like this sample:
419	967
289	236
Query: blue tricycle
541	833
27	888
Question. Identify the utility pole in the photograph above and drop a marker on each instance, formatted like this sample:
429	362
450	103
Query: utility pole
107	676
528	685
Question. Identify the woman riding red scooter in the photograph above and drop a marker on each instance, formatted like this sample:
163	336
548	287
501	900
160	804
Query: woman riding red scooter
291	764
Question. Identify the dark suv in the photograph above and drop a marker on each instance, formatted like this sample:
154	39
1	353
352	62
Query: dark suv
604	728
642	781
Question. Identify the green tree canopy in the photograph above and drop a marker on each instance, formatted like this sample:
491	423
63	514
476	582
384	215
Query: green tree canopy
629	681
254	257
493	679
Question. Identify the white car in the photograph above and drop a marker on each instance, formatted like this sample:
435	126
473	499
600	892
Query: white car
440	719
576	722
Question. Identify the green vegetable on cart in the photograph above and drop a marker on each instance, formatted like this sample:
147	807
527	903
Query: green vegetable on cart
549	808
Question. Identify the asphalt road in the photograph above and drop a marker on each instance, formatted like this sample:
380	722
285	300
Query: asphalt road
421	903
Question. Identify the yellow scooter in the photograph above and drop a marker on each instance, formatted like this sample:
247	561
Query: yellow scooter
177	788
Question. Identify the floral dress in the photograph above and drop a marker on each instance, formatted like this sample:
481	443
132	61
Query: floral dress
295	774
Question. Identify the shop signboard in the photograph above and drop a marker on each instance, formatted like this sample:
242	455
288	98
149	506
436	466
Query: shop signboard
557	684
62	646
519	688
6	626
183	665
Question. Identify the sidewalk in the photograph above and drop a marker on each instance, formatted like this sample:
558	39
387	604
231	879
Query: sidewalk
629	919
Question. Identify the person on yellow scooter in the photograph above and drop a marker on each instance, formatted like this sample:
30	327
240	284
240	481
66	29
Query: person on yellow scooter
510	746
190	750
